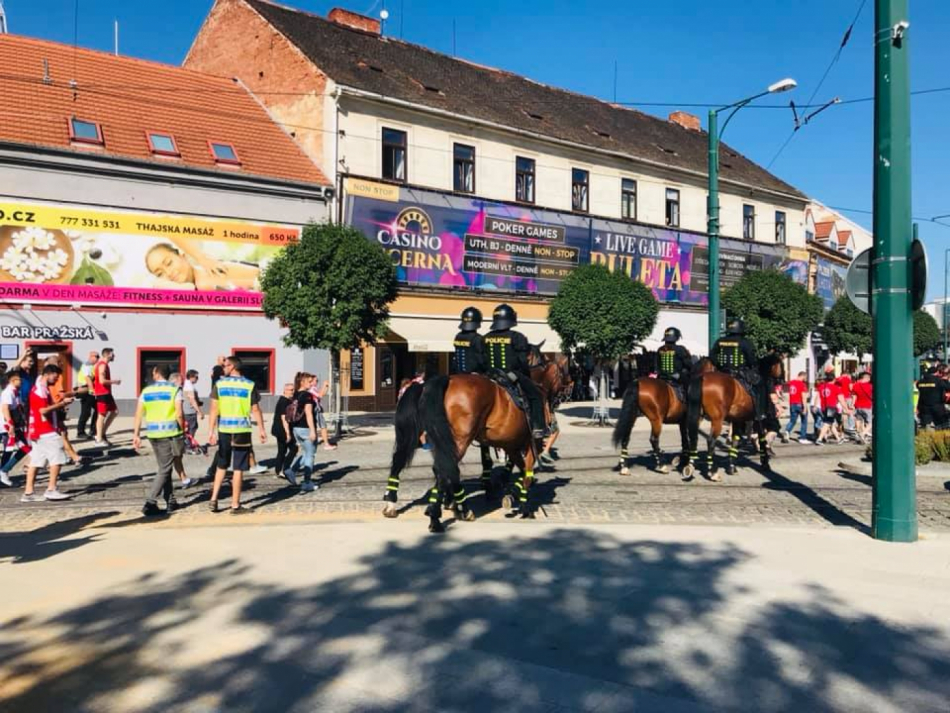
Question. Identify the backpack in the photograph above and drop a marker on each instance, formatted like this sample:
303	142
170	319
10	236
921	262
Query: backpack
292	412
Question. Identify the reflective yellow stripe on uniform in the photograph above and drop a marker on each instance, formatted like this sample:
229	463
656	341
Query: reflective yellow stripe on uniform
234	404
160	418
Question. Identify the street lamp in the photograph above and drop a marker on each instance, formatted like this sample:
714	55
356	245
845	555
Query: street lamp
783	85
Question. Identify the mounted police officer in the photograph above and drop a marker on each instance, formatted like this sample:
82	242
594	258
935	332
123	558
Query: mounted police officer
931	410
469	345
733	354
506	351
674	362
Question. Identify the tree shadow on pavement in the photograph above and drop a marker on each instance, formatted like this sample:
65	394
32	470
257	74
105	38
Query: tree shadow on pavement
47	541
568	620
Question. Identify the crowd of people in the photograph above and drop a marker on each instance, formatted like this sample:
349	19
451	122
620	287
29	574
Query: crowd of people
840	407
169	413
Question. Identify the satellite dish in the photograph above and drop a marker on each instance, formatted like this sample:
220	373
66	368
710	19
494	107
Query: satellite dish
858	281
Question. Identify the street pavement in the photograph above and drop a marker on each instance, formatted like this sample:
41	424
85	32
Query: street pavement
807	485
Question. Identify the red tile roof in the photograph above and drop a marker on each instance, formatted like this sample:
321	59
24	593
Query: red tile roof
129	97
843	237
823	230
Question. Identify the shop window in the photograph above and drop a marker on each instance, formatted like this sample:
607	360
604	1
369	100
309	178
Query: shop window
672	207
224	153
59	353
87	132
150	357
162	144
258	366
395	149
464	160
628	199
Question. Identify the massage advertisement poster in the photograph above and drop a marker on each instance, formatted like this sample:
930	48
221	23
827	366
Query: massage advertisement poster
79	255
453	242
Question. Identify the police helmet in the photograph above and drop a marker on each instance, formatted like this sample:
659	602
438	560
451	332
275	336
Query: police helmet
672	335
736	326
471	319
504	317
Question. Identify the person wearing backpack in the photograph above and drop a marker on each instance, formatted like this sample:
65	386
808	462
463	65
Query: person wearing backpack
280	429
300	416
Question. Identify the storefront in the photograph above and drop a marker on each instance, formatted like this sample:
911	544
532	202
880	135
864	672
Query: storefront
451	251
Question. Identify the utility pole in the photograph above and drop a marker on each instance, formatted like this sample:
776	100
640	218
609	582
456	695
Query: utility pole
712	227
894	509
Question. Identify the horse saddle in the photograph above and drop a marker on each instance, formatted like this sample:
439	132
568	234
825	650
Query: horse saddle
511	386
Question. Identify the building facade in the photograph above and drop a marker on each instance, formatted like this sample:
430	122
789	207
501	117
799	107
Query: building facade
486	186
138	205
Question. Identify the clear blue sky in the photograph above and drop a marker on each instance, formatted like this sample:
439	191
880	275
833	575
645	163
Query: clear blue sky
683	52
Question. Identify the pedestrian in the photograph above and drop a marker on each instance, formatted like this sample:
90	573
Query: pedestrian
105	403
845	383
832	404
58	393
176	380
234	400
321	422
280	429
863	405
797	389
13	428
4	367
45	436
303	424
160	405
88	413
931	410
217	371
191	404
814	400
25	365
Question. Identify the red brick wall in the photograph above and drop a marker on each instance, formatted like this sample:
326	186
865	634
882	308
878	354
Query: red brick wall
235	41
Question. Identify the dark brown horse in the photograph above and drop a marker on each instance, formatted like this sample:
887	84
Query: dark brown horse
655	399
453	412
722	399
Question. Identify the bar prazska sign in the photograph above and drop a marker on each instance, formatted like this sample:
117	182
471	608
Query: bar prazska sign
61	254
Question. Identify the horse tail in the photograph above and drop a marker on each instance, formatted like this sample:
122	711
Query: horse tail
408	430
437	427
629	410
694	409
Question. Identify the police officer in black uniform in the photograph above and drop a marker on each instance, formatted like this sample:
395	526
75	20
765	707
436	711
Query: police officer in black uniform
733	354
674	361
469	345
931	410
506	351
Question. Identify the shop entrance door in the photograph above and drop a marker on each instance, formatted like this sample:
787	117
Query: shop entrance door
394	366
61	352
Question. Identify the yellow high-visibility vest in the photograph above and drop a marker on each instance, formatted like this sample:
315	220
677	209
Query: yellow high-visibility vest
161	421
234	404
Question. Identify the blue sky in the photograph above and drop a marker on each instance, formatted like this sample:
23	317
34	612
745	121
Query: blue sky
681	51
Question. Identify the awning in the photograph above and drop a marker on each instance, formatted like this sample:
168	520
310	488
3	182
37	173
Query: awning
435	334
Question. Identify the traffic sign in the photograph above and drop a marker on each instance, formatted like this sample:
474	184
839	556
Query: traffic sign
858	281
918	274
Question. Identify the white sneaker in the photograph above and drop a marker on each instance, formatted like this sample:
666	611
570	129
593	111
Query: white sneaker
29	498
5	479
805	441
55	495
257	470
187	483
308	486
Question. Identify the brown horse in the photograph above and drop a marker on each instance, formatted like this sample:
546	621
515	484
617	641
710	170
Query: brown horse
657	400
722	399
453	412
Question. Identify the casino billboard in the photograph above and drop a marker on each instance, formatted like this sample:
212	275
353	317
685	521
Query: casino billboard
451	242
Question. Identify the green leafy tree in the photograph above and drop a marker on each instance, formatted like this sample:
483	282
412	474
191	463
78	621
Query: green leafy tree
777	311
606	313
847	329
926	333
331	290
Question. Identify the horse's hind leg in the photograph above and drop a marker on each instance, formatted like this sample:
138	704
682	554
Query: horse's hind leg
763	444
452	485
391	496
684	438
655	428
434	510
733	451
622	466
524	487
715	429
487	466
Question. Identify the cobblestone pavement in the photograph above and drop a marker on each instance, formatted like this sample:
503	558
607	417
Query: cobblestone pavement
806	486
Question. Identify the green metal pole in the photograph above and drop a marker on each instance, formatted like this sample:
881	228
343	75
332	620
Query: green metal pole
894	509
712	227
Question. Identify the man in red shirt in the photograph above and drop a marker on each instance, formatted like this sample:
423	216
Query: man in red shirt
47	443
864	404
845	384
102	383
832	403
797	388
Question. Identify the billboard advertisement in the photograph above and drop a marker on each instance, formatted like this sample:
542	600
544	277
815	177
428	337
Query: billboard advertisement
454	242
830	281
69	255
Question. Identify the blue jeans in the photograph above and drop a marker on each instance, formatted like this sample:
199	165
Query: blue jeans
308	451
796	411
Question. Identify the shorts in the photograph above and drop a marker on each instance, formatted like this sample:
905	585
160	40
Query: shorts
864	414
234	451
105	403
48	451
319	420
191	423
831	415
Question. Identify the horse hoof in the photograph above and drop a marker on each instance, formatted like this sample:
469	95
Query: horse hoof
389	510
732	471
619	468
436	526
527	515
465	514
625	471
508	502
715	477
664	469
688	472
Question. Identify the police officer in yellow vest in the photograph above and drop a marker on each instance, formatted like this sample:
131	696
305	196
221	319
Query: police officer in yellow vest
506	352
733	354
234	401
468	343
161	407
674	361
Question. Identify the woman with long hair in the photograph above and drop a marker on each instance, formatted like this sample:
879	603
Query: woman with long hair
304	429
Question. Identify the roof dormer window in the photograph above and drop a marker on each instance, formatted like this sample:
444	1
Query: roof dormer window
162	144
86	132
224	153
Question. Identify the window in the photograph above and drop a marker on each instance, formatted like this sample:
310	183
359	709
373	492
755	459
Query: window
628	199
672	208
464	161
87	132
162	144
150	357
748	222
224	153
780	227
258	366
524	179
809	236
394	154
580	190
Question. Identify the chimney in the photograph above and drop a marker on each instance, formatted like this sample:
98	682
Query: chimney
355	21
686	120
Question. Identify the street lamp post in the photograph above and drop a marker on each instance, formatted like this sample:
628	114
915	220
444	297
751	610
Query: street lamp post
712	206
